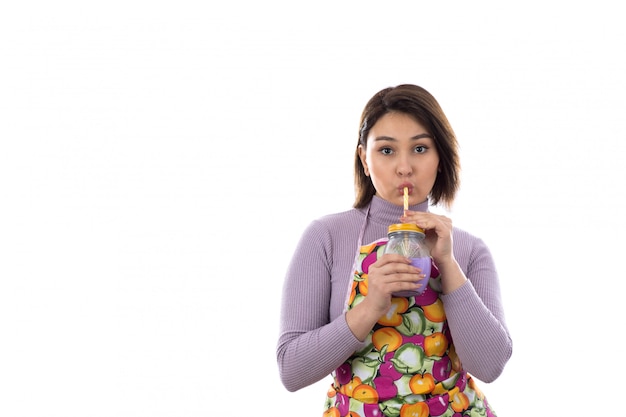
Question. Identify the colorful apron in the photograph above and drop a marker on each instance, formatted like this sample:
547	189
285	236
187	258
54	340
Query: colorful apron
409	367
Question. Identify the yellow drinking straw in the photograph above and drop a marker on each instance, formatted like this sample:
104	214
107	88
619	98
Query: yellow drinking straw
406	198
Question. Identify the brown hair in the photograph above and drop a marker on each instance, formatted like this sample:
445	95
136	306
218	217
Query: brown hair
422	106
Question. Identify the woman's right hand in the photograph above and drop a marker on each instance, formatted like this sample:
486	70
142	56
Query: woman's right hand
390	273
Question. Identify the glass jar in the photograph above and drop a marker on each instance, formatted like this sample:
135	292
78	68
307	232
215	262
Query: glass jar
407	239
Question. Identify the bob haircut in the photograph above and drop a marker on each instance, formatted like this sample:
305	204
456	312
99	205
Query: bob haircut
424	108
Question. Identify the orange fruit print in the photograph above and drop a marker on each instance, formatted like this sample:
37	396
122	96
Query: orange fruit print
414	410
435	312
366	394
348	389
332	412
436	344
387	336
393	317
363	285
460	402
422	384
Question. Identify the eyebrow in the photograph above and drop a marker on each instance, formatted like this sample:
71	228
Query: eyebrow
416	137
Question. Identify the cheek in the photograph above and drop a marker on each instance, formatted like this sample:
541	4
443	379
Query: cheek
377	168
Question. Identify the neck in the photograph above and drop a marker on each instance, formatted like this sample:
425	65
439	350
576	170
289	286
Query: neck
385	212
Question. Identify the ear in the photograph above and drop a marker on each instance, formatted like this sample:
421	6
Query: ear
363	160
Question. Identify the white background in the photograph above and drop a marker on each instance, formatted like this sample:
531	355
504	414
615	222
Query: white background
159	160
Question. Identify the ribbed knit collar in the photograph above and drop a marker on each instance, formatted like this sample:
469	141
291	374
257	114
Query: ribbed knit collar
384	212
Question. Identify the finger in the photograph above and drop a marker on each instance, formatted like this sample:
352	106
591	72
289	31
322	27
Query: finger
421	219
398	268
390	258
404	286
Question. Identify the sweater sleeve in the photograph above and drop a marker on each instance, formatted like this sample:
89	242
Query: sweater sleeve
310	346
476	317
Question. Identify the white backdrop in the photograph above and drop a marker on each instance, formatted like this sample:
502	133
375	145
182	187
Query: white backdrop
159	160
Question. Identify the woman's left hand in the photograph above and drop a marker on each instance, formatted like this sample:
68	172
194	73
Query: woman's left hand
438	230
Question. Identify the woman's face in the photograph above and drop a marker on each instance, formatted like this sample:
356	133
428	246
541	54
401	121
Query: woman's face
400	153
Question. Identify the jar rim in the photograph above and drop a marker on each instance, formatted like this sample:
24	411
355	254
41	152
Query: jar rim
405	227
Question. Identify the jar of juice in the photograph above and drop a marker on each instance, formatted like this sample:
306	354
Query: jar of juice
407	239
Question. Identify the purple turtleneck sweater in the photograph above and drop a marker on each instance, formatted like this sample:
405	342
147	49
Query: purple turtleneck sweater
314	337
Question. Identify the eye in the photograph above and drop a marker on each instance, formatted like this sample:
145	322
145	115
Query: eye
420	149
386	151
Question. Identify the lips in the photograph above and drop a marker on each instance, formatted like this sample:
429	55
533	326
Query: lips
401	188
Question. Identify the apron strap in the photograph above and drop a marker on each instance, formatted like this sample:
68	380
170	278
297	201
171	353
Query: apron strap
362	231
356	256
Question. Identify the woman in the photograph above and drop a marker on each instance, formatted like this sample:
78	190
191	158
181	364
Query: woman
422	361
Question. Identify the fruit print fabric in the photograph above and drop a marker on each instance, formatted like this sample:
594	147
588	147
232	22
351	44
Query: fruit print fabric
409	367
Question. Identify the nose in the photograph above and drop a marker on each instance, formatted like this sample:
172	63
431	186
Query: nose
404	167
